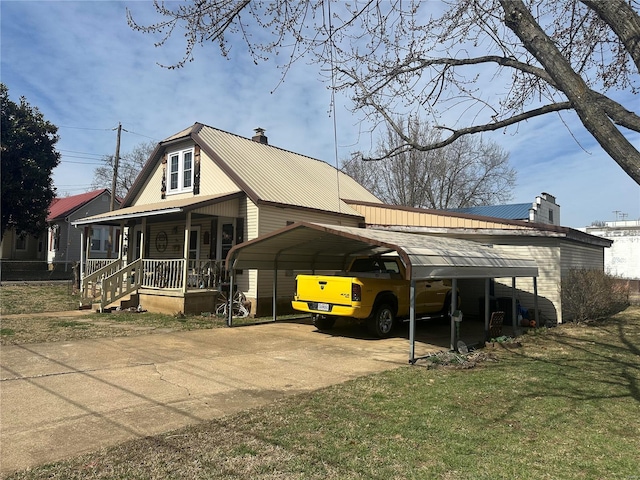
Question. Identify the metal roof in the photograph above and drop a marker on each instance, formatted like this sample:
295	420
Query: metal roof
312	246
273	175
516	211
153	209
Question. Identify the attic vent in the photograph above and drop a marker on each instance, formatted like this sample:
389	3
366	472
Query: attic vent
260	136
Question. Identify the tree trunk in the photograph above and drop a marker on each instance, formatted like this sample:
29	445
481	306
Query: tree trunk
595	120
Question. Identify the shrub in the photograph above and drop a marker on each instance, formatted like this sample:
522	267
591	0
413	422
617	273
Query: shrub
592	294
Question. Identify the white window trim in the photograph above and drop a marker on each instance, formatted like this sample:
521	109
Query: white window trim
180	172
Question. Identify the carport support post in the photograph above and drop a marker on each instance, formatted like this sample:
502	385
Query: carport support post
412	322
275	293
230	300
487	309
535	301
514	314
454	307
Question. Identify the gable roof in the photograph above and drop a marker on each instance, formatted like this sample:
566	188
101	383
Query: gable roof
268	174
60	207
516	211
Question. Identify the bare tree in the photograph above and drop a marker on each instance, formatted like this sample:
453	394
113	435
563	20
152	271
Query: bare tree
129	167
467	172
398	57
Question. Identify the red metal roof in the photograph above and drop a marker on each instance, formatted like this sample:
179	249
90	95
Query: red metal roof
60	207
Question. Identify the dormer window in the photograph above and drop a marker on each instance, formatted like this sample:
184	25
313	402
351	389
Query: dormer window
181	171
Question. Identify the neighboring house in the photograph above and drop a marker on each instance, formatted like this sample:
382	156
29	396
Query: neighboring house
204	190
623	258
543	210
201	192
63	239
59	247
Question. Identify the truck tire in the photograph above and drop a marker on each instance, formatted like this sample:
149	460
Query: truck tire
323	322
382	322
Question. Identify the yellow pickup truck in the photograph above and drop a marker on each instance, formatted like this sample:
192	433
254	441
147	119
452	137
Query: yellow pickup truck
372	289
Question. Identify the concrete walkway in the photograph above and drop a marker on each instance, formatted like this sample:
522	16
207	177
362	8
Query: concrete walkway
59	400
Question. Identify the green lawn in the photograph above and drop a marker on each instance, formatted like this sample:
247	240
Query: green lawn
564	405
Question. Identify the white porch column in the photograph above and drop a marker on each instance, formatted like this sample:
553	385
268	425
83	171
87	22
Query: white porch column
185	253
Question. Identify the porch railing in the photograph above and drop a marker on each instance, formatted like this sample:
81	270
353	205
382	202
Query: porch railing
121	283
162	273
111	280
92	265
92	282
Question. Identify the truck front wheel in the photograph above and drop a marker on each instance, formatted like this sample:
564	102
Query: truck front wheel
381	324
323	322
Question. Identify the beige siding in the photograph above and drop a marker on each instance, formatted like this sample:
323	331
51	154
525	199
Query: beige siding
230	208
271	219
575	255
213	181
151	191
375	215
545	251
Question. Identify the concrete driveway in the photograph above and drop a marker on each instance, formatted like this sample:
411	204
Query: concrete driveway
59	400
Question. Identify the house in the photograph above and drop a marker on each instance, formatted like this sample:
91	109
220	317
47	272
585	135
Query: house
544	209
63	240
556	250
201	192
623	258
58	248
204	191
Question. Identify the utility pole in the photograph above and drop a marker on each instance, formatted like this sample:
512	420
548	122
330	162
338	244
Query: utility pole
116	159
112	204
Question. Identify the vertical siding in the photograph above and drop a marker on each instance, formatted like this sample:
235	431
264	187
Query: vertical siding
273	218
575	255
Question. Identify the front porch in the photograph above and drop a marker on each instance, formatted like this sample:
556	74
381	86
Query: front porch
169	257
160	285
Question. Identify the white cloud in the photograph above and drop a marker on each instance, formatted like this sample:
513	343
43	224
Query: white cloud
86	70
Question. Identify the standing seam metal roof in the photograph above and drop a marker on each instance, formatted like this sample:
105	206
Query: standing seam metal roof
271	174
312	246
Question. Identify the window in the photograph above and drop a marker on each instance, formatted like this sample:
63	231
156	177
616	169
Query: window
181	171
550	215
100	240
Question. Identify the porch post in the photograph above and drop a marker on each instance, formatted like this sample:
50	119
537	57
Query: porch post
82	262
143	231
121	248
185	253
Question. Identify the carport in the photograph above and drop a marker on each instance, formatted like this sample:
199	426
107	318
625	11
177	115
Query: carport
310	246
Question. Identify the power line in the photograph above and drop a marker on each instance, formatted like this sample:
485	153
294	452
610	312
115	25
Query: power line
83	153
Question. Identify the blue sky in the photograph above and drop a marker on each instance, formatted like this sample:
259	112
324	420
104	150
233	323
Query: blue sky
86	70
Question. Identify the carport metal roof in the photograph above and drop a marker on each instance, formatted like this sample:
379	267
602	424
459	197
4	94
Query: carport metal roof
312	246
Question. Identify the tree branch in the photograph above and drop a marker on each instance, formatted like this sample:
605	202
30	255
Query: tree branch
521	22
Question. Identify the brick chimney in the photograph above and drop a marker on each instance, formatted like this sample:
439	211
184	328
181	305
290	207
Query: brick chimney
260	136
